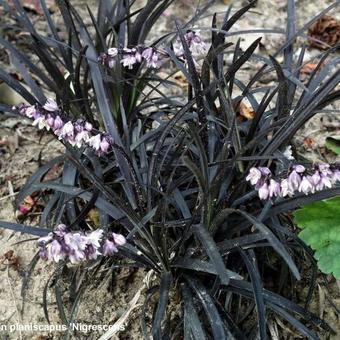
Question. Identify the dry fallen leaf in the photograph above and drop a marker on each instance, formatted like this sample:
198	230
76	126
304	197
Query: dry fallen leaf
179	79
10	259
308	142
327	30
308	68
34	5
27	205
94	217
246	112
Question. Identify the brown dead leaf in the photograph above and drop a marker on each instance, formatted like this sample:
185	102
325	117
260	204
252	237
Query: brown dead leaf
179	79
308	142
308	68
10	259
34	6
327	30
245	112
94	217
28	204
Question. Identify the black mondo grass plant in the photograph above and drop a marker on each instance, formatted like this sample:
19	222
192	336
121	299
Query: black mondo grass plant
183	188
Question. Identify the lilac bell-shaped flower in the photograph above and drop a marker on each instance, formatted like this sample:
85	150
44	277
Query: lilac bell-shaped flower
55	251
294	180
58	124
112	52
306	186
67	130
88	126
104	145
50	105
316	178
286	189
40	122
91	252
113	240
95	141
81	138
263	191
109	248
30	111
336	176
94	238
128	60
274	188
61	230
43	253
254	176
264	170
49	122
299	168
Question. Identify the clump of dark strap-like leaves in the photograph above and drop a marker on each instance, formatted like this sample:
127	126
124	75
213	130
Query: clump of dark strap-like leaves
177	191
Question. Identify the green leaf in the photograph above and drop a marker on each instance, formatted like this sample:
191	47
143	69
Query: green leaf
333	144
320	222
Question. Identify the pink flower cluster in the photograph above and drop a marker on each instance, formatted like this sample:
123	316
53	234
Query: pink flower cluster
78	133
131	56
299	179
152	57
196	45
61	244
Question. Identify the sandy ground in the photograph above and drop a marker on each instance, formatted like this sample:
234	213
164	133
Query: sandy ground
19	159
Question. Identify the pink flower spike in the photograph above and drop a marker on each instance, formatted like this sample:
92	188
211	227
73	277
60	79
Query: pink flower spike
50	105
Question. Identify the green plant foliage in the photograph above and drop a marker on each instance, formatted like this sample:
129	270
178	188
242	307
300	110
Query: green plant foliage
333	144
320	222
